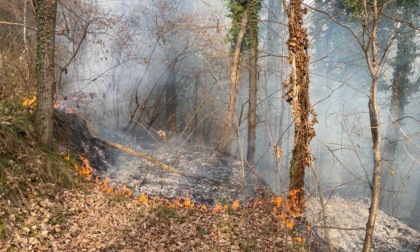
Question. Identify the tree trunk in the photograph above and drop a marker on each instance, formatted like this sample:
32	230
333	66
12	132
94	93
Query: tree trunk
372	59
298	97
46	18
230	123
253	81
401	87
171	102
25	42
415	213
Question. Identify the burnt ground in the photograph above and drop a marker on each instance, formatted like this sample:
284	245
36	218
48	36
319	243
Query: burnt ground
348	218
220	178
216	176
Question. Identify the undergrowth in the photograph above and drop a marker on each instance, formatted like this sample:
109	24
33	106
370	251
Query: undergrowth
24	165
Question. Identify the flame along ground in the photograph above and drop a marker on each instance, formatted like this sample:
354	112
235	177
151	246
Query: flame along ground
290	212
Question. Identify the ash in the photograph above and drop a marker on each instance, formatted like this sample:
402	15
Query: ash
217	176
390	234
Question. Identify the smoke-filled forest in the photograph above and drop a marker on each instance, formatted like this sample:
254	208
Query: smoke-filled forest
209	125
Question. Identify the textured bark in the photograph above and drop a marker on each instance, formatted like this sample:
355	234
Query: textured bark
298	97
235	70
253	83
46	18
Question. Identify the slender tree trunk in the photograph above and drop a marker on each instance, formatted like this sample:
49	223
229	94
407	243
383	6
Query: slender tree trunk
171	102
253	81
415	213
25	42
372	59
235	71
298	97
46	18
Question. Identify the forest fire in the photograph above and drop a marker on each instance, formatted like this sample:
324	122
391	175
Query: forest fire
287	211
64	107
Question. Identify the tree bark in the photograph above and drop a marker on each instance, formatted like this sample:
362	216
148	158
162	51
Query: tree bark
401	88
298	97
235	71
25	42
253	81
46	20
372	59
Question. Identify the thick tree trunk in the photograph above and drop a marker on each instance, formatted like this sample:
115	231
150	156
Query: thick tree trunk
230	128
298	97
253	83
46	17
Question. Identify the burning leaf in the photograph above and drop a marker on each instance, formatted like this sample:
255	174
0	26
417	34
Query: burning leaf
163	135
217	208
29	102
143	198
85	170
204	208
188	202
235	205
290	224
277	201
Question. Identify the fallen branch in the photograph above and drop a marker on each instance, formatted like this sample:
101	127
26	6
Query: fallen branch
340	228
160	164
151	159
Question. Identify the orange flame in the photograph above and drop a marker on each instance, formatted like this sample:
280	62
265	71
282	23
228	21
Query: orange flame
68	109
143	198
293	211
29	102
85	169
236	205
188	203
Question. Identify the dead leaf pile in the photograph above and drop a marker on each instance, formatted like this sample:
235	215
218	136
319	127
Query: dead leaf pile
75	220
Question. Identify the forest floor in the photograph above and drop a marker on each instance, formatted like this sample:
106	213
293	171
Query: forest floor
46	206
93	220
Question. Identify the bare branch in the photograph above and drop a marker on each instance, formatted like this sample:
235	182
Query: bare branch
397	19
337	22
17	24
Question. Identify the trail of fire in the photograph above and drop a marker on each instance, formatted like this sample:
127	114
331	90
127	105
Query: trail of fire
289	211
